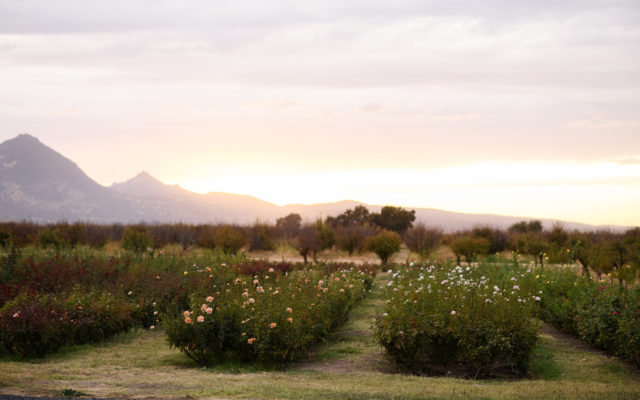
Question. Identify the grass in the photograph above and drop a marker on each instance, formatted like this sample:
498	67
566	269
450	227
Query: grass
349	366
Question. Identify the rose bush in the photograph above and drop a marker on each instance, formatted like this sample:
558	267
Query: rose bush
271	317
476	316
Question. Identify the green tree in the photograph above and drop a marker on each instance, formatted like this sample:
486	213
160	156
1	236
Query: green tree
497	238
261	237
384	244
137	238
395	219
326	236
533	226
360	215
469	247
52	238
537	247
230	239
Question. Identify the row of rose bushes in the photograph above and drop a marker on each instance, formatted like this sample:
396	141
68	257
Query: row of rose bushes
50	299
606	315
34	325
269	318
476	318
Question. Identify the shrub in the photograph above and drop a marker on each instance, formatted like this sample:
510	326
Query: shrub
606	316
476	316
34	325
385	244
271	319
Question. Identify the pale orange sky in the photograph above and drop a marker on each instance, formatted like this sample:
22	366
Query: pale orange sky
527	109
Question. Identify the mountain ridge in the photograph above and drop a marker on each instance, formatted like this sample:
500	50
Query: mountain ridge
41	185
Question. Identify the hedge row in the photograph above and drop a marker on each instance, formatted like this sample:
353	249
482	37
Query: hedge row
271	318
34	325
477	318
605	315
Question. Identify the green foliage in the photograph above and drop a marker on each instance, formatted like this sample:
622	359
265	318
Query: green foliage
5	239
497	239
606	316
534	226
476	316
395	219
52	238
137	238
34	325
326	236
272	319
470	247
230	239
262	235
359	216
384	244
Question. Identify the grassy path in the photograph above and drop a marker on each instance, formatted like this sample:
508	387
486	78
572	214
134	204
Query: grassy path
349	366
352	347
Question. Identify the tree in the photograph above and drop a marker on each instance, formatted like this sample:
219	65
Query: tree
394	219
184	235
581	251
52	238
352	238
470	248
497	238
137	238
384	244
230	239
533	226
537	247
261	237
289	226
423	240
558	238
326	236
308	241
313	238
360	215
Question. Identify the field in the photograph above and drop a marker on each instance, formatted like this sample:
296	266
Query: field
348	361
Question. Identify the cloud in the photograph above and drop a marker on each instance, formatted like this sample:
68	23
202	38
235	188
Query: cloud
628	161
454	117
372	107
602	124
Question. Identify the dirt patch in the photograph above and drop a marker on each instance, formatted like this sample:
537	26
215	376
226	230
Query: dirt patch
376	362
568	340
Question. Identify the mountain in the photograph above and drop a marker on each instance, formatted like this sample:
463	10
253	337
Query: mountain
40	185
171	203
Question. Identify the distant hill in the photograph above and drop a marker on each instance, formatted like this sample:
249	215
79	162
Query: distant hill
40	185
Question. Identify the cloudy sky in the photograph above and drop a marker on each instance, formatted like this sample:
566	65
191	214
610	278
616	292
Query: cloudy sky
526	108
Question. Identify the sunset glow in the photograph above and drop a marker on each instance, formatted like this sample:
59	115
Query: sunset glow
527	109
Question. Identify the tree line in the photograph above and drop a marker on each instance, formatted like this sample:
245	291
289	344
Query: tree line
356	230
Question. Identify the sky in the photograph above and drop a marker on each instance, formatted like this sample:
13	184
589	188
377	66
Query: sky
525	108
